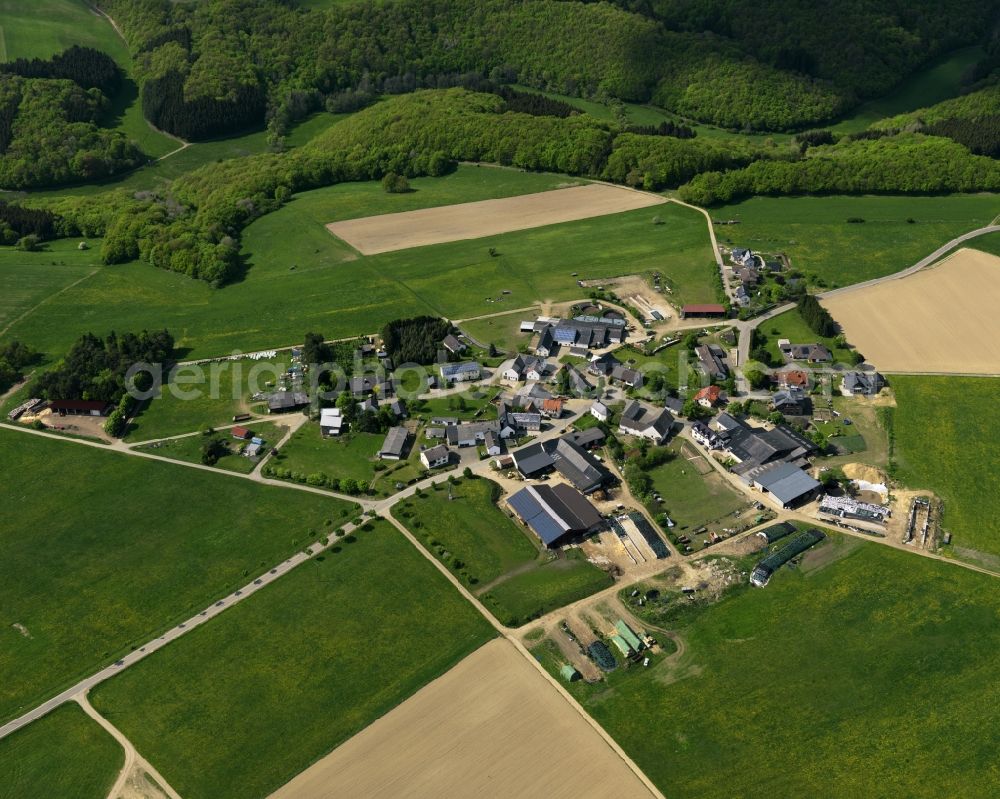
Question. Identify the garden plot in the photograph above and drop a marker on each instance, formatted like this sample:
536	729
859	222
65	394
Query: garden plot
388	232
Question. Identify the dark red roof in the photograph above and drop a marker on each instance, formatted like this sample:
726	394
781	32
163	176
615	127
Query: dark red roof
240	432
704	308
78	405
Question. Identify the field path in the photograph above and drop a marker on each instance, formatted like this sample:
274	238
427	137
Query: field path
46	299
132	757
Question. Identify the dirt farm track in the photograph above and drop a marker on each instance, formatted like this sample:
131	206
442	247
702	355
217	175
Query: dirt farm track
492	727
387	232
942	319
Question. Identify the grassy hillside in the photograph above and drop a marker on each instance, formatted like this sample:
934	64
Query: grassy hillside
62	754
816	236
109	549
244	703
865	672
334	290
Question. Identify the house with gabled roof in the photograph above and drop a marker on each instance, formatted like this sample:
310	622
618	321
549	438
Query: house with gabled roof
646	421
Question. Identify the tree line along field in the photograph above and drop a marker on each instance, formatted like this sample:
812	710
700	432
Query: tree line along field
864	672
302	278
64	753
831	252
945	455
102	551
242	704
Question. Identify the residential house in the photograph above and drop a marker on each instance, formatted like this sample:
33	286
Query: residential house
491	443
453	345
331	422
629	377
579	385
646	421
603	365
792	378
711	359
460	372
434	457
240	433
861	384
791	402
600	411
552	408
813	353
754	447
704	435
546	345
709	396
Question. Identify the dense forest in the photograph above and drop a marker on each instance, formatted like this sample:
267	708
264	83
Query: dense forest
416	340
972	119
49	134
88	68
219	65
17	222
862	47
907	163
95	368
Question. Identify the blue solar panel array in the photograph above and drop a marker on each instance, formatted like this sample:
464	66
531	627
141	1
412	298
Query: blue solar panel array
528	508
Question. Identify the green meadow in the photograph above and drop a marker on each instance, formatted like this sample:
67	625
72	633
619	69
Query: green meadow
189	448
242	704
946	441
499	559
863	672
792	326
821	243
102	551
301	278
64	753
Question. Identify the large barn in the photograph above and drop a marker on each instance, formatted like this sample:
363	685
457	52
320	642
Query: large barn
555	513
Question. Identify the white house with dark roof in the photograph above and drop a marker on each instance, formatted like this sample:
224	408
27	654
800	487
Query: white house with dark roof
434	457
646	421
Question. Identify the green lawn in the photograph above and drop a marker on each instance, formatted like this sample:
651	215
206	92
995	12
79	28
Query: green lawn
815	234
27	280
101	551
530	594
947	441
456	406
204	395
470	528
503	331
692	499
866	672
64	753
351	456
189	448
792	326
242	704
